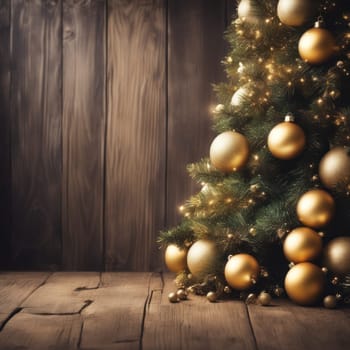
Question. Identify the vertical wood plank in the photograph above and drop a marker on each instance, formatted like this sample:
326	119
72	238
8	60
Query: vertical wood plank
36	133
135	159
5	172
196	48
83	133
231	11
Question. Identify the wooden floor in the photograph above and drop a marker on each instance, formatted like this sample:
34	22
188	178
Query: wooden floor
125	311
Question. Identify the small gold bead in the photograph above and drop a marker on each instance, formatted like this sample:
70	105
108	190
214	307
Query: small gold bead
212	297
173	298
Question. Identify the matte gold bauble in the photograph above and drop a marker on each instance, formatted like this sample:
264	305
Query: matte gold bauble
317	45
248	11
296	12
229	151
316	208
175	258
334	168
337	255
286	140
302	244
241	271
304	283
201	258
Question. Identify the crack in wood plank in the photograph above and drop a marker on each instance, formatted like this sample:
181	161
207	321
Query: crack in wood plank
148	301
8	318
84	306
251	327
18	309
80	289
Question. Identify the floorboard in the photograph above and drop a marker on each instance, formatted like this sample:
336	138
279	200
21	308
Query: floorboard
195	323
62	294
15	287
114	320
131	311
287	326
26	331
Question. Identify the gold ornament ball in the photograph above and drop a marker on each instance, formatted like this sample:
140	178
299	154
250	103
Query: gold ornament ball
229	151
330	302
302	244
241	271
264	299
173	298
212	297
337	255
175	258
317	46
304	283
181	294
296	12
247	10
286	140
201	258
316	208
334	168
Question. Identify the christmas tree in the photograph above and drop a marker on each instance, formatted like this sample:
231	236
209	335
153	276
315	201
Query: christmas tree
273	214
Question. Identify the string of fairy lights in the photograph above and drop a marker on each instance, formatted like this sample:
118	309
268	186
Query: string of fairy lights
289	57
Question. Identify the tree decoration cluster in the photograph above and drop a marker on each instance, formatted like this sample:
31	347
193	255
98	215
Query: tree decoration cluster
273	214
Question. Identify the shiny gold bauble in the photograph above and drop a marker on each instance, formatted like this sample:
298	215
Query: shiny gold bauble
337	255
316	208
302	244
248	11
296	12
182	294
334	168
229	151
317	46
175	258
330	302
173	298
212	297
241	271
264	299
201	258
286	140
304	283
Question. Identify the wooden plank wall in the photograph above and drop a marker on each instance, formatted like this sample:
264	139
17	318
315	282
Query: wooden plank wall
5	169
103	103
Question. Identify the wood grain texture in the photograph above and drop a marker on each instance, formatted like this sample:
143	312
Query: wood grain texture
195	49
288	326
36	133
25	331
135	158
62	294
195	323
115	319
83	133
5	122
15	287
